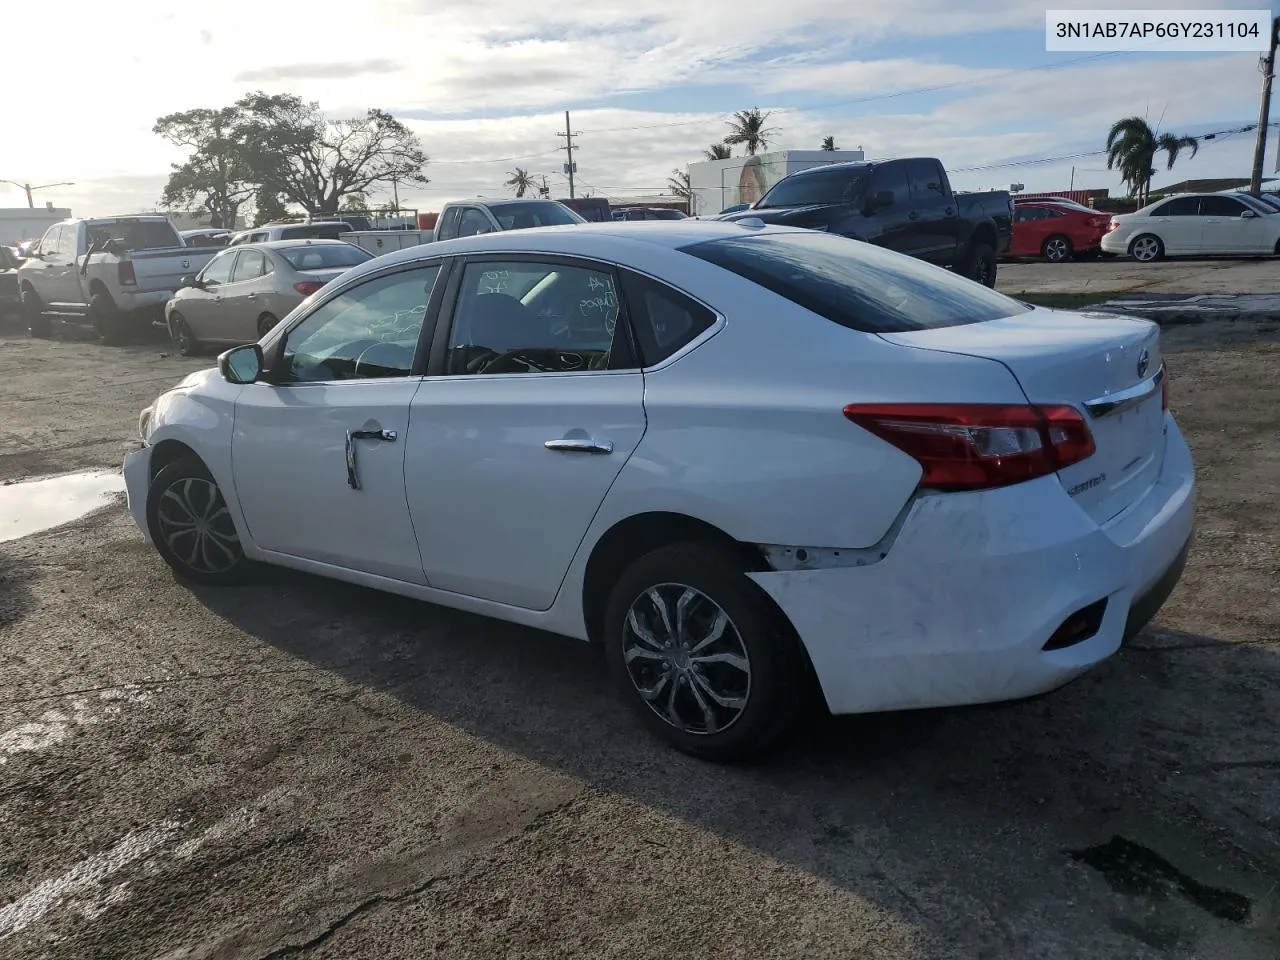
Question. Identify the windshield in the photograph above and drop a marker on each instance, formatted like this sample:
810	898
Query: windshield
325	257
825	186
135	234
521	216
855	284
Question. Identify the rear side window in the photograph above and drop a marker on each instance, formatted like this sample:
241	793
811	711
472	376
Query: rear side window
856	284
664	319
926	180
893	178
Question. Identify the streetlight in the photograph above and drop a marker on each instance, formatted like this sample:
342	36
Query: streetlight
29	188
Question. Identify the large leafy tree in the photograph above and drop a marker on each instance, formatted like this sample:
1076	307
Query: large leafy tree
521	180
315	162
218	177
1132	146
748	128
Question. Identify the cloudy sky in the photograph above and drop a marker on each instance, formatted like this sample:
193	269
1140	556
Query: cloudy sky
484	83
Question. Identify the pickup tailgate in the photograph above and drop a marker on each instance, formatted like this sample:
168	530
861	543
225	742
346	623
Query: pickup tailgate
1109	368
162	269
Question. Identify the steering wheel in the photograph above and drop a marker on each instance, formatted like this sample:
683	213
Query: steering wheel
391	354
520	354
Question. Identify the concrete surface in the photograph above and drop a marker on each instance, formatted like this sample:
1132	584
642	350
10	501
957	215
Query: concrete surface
1163	277
298	768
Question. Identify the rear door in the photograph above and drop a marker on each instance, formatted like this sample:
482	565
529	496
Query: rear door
936	225
1178	224
894	226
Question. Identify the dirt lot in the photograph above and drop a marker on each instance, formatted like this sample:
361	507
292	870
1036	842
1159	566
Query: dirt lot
300	768
1258	275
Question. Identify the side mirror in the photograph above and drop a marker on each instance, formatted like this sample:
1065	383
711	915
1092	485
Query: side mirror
879	200
187	281
1248	215
241	364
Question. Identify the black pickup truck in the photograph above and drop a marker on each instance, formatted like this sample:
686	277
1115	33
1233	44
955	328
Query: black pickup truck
905	205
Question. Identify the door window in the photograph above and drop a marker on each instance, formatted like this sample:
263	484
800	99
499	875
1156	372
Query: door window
1178	207
67	242
371	330
925	177
251	265
1030	213
664	319
449	223
529	317
219	269
49	242
473	222
1220	207
893	178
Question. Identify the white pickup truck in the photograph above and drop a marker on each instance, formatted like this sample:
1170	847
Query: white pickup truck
116	273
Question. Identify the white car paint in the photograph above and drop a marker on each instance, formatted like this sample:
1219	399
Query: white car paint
1222	229
905	597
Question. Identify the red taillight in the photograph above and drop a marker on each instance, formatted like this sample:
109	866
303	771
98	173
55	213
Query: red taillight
1113	225
125	274
308	287
975	446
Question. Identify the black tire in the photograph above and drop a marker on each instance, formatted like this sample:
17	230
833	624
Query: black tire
1143	242
980	264
184	492
266	323
776	680
1057	249
106	318
38	324
183	338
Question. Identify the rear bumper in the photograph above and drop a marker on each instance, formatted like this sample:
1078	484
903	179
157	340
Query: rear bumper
138	300
962	605
1112	243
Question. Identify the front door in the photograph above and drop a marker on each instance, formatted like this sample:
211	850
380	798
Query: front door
43	275
201	306
1225	229
319	452
522	427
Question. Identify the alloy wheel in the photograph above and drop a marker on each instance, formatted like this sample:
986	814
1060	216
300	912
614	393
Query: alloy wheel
1146	249
686	659
1056	250
197	527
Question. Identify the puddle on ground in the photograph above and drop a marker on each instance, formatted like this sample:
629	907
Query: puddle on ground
31	506
1133	869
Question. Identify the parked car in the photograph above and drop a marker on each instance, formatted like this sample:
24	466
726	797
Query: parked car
245	290
1061	201
10	302
964	498
1055	231
205	237
735	208
905	205
468	218
116	273
590	209
293	230
649	213
1195	224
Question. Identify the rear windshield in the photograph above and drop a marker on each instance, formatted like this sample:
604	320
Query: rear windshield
136	234
326	257
855	284
312	231
825	186
520	216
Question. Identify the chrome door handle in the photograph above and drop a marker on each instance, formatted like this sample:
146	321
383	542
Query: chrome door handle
353	478
580	446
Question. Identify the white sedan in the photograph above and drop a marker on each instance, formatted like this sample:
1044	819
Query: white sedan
753	462
1196	224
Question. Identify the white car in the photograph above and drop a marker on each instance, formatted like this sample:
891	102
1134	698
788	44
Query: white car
745	459
1196	224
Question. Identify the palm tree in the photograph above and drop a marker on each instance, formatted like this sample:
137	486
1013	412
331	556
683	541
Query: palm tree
829	143
678	184
521	180
747	128
1132	147
717	151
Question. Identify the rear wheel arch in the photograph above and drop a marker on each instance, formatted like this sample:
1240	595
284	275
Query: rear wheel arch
96	286
629	539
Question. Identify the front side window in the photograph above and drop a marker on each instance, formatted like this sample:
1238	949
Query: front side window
448	228
49	242
370	330
250	266
473	222
857	285
67	242
530	317
1220	207
219	269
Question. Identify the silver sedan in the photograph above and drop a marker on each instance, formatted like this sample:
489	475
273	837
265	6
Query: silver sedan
245	290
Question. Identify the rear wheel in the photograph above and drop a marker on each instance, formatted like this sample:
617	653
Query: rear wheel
980	264
266	323
702	654
180	331
1056	249
38	324
191	526
106	318
1146	248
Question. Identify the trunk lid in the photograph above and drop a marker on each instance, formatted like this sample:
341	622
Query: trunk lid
1103	365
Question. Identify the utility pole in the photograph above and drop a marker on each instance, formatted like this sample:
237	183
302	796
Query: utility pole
28	188
395	194
1072	188
570	168
1264	113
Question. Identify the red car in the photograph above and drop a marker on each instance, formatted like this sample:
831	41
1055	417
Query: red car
1055	230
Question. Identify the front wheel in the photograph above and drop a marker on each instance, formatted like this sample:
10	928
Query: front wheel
191	525
702	654
38	324
980	265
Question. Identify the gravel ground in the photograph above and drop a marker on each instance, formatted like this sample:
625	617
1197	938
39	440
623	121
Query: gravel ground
300	767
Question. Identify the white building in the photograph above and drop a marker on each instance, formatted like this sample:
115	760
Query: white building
717	184
28	223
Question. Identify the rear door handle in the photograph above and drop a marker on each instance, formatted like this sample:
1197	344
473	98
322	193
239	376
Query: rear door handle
387	436
568	445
